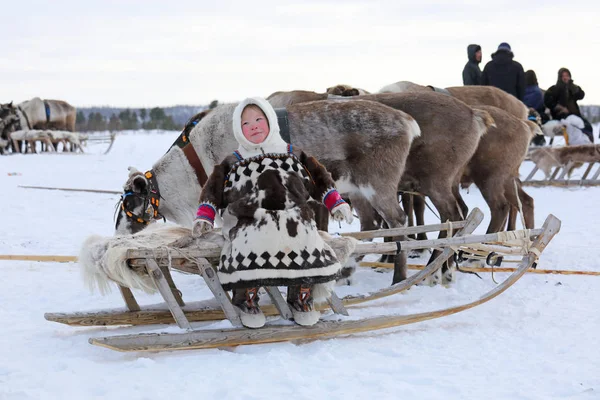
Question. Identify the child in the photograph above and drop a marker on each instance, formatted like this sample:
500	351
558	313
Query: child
271	238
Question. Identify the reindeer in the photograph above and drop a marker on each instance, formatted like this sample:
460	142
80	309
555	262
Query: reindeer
38	114
363	144
471	95
494	168
450	133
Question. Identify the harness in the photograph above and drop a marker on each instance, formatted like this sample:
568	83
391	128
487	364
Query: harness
25	116
47	107
183	142
439	90
152	199
284	124
151	202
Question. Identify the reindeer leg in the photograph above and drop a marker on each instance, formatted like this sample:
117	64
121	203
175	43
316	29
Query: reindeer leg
419	207
526	204
444	201
407	206
387	206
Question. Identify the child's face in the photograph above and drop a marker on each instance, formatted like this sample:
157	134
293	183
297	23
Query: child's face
255	126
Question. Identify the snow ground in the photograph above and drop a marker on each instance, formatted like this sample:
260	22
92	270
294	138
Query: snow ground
538	340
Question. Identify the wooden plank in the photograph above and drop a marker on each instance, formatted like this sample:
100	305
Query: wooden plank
404	231
367	248
273	334
473	220
130	302
488	269
565	183
176	293
279	302
555	173
336	304
164	289
72	189
596	174
588	170
213	283
565	170
45	258
532	173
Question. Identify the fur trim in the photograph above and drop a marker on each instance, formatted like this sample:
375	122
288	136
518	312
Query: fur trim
104	259
272	144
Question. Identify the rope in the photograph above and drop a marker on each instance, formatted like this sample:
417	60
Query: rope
425	201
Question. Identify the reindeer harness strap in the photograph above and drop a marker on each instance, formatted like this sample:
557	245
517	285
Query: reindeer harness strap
439	90
25	116
284	124
183	142
151	202
47	107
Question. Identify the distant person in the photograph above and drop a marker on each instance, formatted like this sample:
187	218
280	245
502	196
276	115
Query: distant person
534	97
471	71
562	99
505	73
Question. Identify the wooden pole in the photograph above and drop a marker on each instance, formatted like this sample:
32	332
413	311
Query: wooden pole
48	258
72	190
487	269
564	183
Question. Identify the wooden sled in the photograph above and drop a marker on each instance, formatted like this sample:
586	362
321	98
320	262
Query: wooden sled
99	138
155	263
556	165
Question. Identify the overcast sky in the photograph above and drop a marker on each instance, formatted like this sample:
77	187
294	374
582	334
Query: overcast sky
159	53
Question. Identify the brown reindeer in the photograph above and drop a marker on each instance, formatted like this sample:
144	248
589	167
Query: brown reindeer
450	133
471	95
494	168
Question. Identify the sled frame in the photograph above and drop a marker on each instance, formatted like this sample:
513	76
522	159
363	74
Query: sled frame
206	339
196	262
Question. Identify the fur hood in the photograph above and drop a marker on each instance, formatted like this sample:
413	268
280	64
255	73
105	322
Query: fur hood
272	144
471	50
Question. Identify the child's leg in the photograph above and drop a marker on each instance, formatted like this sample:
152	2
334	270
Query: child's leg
247	301
301	302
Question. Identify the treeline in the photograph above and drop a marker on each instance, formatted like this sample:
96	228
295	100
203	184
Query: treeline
113	119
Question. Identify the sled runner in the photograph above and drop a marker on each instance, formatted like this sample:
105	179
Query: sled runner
156	262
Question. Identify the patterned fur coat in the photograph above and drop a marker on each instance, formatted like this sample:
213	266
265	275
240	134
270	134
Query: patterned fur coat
271	238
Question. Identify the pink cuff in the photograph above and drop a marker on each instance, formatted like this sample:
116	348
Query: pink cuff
332	199
207	212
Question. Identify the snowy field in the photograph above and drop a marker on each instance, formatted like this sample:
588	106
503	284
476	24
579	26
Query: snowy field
538	340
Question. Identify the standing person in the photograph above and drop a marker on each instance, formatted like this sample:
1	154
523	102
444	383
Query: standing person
534	98
471	72
505	73
270	233
562	99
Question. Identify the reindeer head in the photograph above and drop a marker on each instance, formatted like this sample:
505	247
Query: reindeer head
6	110
139	203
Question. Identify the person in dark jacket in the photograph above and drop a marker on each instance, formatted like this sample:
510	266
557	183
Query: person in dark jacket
534	97
505	73
562	99
471	71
